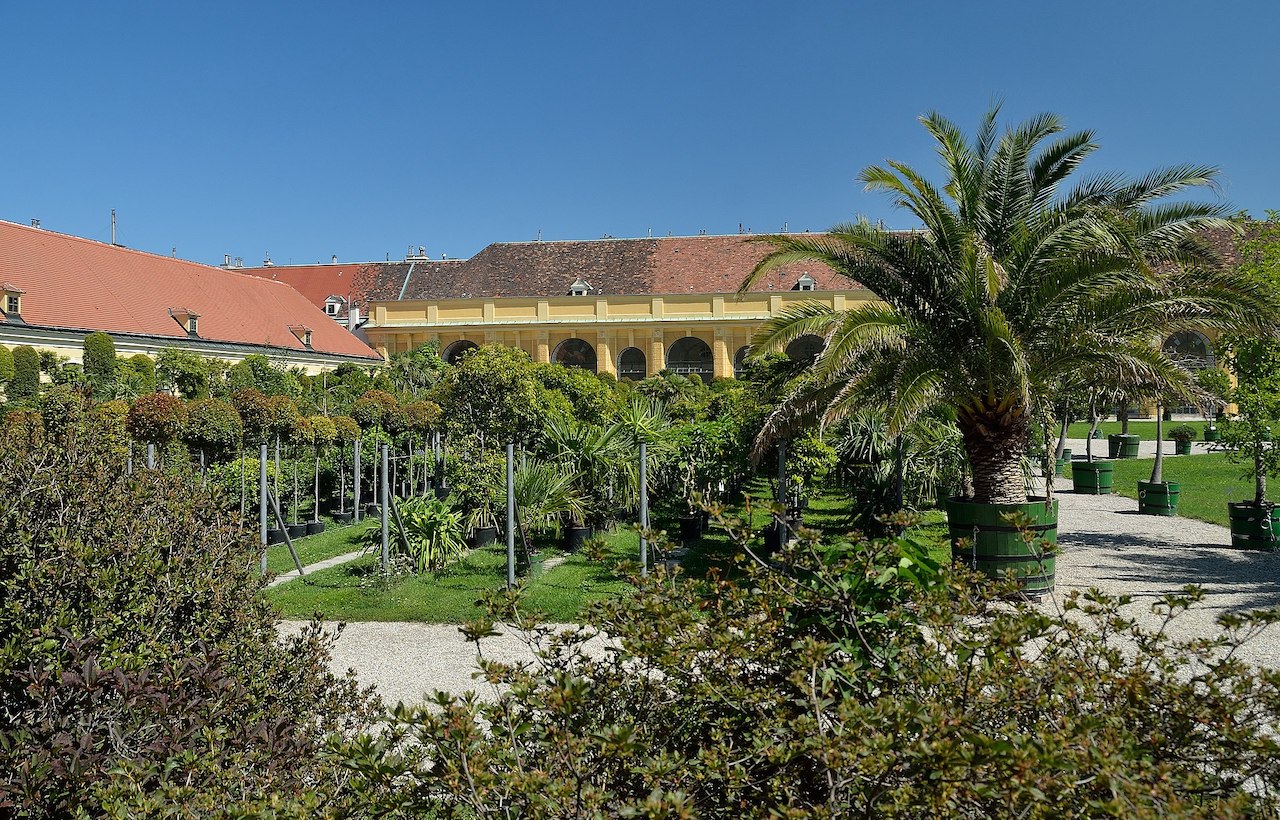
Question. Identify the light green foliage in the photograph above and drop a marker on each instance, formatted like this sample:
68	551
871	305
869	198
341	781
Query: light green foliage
604	464
100	364
1217	384
593	400
477	481
283	416
323	430
417	370
431	539
545	493
346	430
135	376
188	373
260	373
495	391
6	365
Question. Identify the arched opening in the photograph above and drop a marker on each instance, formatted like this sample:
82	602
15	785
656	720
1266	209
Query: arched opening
690	356
575	353
454	352
632	365
805	349
740	361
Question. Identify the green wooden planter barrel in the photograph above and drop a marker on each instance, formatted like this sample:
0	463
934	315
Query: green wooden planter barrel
1159	498
1122	446
995	546
1254	528
1211	434
1061	463
1092	478
1182	447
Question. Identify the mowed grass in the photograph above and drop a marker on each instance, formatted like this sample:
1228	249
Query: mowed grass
1146	430
335	540
1208	482
357	591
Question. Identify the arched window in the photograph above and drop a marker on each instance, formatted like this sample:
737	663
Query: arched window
575	353
454	352
689	356
805	349
740	361
1190	349
632	365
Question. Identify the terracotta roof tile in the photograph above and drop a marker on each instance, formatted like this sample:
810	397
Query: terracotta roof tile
80	284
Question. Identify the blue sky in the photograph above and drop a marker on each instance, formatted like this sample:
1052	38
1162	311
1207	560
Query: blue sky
312	129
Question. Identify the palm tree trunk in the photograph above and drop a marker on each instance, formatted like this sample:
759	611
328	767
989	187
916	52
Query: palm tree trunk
1260	476
996	433
1062	434
1157	472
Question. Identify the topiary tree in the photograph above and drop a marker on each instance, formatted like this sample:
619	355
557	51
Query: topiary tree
213	427
6	365
135	375
25	384
375	409
100	364
157	418
495	391
346	433
323	433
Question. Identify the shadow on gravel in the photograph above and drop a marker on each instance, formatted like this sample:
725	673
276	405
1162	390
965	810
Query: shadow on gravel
1150	568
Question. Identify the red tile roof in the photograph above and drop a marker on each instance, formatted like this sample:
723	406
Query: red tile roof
79	284
665	265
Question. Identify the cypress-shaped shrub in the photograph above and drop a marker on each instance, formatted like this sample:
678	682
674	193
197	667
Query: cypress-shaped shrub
26	374
6	365
100	364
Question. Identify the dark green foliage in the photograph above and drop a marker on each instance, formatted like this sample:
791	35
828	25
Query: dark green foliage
1183	432
157	418
283	415
136	375
868	683
477	480
140	672
6	365
26	374
100	364
593	400
255	415
416	370
419	418
213	427
432	536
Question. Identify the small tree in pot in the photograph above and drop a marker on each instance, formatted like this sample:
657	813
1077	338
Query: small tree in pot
1182	436
213	428
323	433
1246	438
346	433
156	418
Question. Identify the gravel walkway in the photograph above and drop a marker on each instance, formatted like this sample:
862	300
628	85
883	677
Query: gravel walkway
1104	543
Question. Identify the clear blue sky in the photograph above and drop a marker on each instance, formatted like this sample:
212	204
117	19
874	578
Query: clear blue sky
358	129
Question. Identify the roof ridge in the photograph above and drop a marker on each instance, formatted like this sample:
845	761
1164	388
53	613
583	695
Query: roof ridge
113	246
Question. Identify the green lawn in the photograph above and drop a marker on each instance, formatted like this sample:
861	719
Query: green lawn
356	591
1145	429
1208	482
335	540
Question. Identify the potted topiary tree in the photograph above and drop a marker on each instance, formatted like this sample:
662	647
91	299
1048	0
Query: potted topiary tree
1216	385
1182	436
1157	496
346	433
156	418
323	433
1092	476
213	428
1246	438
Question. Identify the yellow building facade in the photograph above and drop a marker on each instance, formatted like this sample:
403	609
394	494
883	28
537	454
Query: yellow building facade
623	335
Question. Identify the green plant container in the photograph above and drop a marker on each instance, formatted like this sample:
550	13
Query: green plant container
984	539
1159	497
1211	434
1092	478
1182	447
1122	446
1253	527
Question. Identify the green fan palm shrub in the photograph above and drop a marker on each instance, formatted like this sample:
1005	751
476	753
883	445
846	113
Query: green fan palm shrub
603	463
1020	278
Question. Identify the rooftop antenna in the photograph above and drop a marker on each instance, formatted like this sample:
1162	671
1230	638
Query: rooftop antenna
651	233
113	226
174	252
539	234
784	227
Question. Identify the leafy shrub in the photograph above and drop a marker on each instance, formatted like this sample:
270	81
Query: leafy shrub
345	429
141	673
283	415
374	410
431	538
189	373
157	418
26	374
213	427
6	365
255	415
1182	432
419	418
100	364
495	392
867	682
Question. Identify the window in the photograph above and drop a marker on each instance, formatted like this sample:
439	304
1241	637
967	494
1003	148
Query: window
581	287
631	364
331	308
193	325
805	282
12	303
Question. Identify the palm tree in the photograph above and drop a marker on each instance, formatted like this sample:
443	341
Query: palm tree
1018	281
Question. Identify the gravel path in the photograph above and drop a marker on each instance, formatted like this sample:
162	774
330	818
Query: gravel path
1104	543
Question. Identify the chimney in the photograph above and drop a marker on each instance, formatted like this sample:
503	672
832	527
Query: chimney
353	319
226	260
266	262
35	223
334	261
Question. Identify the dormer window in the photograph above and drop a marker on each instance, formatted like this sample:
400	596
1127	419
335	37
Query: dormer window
581	287
188	319
12	299
302	333
334	305
805	282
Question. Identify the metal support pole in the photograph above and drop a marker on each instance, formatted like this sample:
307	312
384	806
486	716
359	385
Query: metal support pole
386	550
782	492
128	467
644	509
355	459
511	516
151	456
262	505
